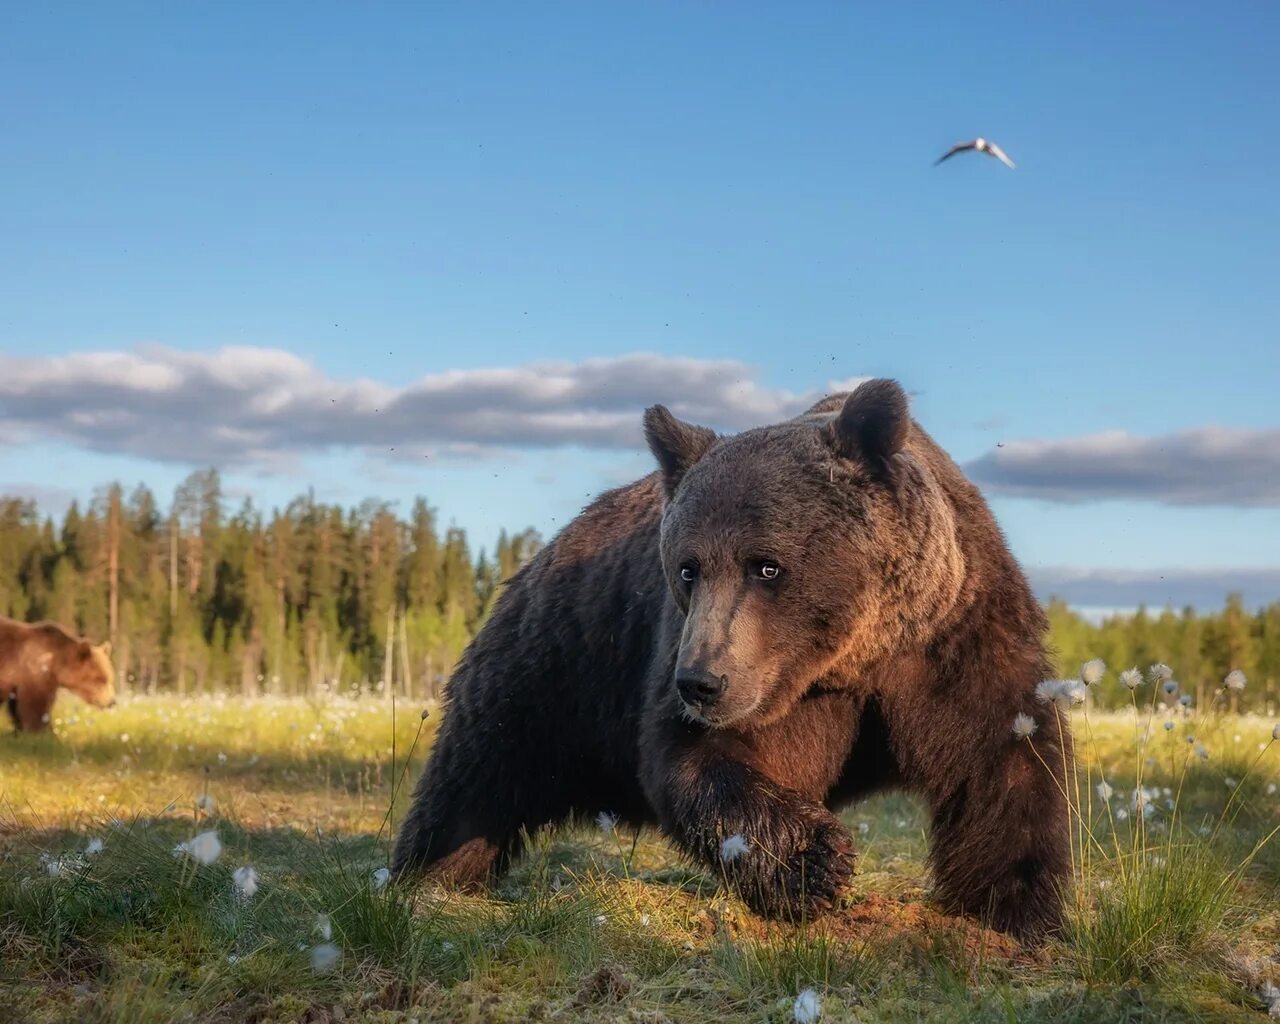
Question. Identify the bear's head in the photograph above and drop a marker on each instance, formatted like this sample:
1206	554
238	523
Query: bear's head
86	670
802	552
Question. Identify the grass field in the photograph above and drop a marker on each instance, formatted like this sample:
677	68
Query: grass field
102	919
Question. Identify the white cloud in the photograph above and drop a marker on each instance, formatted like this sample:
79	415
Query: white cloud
259	406
1204	466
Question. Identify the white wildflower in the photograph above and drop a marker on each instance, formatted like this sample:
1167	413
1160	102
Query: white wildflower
1092	671
1202	752
1023	726
1235	680
1271	789
222	758
1131	678
1185	700
1275	731
600	920
1168	725
863	828
180	850
245	881
1170	687
325	957
94	847
606	822
1229	782
733	848
380	879
323	928
807	1008
1122	815
204	848
1160	672
1062	692
1104	790
205	803
644	920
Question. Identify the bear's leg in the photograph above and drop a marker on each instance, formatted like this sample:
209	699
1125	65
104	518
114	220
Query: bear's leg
464	824
793	857
35	706
1000	833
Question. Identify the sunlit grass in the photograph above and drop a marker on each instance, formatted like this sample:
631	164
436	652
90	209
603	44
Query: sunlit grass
1170	918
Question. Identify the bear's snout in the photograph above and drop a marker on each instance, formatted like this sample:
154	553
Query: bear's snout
699	689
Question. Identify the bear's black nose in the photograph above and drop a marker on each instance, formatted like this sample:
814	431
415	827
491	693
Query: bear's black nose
697	687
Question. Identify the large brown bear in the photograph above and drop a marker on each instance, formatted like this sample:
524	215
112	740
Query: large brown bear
36	660
774	625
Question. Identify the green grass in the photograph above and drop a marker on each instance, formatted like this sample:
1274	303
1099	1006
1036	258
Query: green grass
1172	916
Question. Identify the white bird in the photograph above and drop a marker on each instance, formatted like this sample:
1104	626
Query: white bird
979	145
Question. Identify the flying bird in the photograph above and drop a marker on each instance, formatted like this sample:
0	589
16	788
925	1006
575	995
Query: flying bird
980	146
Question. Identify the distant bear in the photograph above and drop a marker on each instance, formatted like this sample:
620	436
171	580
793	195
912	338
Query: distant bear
35	660
772	626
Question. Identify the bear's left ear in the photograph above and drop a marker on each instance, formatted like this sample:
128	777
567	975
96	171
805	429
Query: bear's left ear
675	444
873	425
105	647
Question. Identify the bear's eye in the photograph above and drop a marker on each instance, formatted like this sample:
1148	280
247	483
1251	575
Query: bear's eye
689	572
766	570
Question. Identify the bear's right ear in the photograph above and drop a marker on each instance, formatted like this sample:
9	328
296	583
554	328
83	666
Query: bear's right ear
675	444
873	425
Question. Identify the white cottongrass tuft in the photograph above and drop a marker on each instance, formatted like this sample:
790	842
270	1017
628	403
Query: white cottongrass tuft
1062	692
1160	672
323	928
1092	671
606	822
1170	687
95	845
1229	782
325	957
1168	725
1185	700
1122	815
380	879
204	848
1131	678
244	880
807	1008
205	803
1235	680
1104	790
1275	731
1270	994
733	848
1202	752
1023	726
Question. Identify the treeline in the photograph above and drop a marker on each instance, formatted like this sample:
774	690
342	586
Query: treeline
307	598
1201	648
316	597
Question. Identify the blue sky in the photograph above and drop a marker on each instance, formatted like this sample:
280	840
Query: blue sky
392	193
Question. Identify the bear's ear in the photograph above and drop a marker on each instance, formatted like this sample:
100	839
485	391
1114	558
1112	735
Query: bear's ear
873	425
675	444
105	647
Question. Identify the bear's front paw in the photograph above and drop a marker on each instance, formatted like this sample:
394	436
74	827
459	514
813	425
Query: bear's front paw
802	869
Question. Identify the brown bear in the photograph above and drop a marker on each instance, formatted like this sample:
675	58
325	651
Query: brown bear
773	625
36	659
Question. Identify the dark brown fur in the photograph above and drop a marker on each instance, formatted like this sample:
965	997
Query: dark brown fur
894	648
37	660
